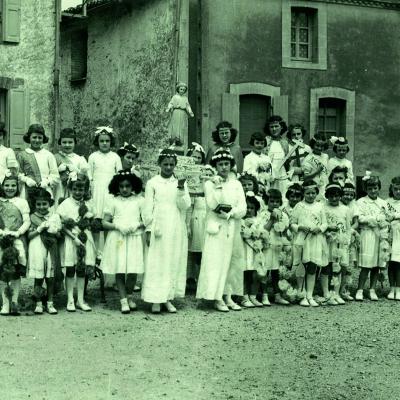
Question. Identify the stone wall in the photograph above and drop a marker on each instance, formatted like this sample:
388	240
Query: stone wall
130	76
29	64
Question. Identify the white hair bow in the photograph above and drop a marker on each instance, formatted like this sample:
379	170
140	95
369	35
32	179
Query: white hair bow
250	194
335	139
367	175
7	173
198	147
73	176
107	129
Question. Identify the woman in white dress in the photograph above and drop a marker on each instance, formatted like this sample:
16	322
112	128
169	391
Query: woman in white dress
166	203
223	251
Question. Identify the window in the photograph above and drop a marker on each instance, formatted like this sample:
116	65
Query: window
332	116
254	111
79	52
10	20
304	35
2	105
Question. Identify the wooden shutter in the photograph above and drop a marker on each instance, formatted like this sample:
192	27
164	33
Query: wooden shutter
79	55
281	107
230	109
11	17
18	108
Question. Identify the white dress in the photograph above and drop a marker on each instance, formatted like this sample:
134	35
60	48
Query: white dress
394	208
253	162
314	246
7	160
69	208
341	162
222	261
102	167
302	152
40	262
123	254
311	164
277	154
165	216
197	222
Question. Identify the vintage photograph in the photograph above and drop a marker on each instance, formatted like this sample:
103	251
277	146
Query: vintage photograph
199	199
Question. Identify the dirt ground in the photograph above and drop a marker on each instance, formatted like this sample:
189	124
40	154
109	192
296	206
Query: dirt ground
342	352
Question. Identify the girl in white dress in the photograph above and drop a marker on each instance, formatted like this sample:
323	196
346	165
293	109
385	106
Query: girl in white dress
166	203
196	220
222	259
340	148
277	149
374	225
315	164
14	222
43	248
309	224
38	167
68	161
394	263
123	250
8	160
79	251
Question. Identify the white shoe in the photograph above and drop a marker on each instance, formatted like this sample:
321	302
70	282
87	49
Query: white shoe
359	295
39	308
221	306
265	300
5	309
346	296
233	306
397	294
83	306
304	302
125	306
50	308
312	302
339	300
156	308
255	302
246	303
132	305
170	307
332	301
71	306
280	300
391	295
372	295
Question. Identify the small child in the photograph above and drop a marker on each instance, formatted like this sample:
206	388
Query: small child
250	184
394	263
277	223
337	234
315	164
294	195
250	253
129	154
257	163
123	250
309	224
14	222
374	234
38	166
166	203
43	248
339	175
340	148
78	251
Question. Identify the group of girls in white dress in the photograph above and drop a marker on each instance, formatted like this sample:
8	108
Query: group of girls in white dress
284	216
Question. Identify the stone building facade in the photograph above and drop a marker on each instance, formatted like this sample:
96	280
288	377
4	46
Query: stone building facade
27	64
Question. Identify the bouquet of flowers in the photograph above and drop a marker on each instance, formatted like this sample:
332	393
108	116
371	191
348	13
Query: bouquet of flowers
264	171
288	291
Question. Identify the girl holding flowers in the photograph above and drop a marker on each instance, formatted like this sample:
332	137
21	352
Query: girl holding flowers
222	259
251	231
277	224
309	224
339	224
78	251
374	223
14	223
166	203
43	248
123	250
394	263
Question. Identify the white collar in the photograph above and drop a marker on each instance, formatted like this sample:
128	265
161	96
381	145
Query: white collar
30	151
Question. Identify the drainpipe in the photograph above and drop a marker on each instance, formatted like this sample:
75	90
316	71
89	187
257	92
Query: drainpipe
56	80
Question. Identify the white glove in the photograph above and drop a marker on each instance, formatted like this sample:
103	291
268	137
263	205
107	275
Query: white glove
30	182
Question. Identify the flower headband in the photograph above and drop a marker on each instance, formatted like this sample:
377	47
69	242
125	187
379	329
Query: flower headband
338	140
367	176
125	172
130	148
198	147
333	186
223	155
107	129
163	153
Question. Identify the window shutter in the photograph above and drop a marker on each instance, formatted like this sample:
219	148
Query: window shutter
281	107
79	55
18	106
11	17
230	109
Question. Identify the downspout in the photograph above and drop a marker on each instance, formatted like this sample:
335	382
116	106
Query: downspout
177	39
56	81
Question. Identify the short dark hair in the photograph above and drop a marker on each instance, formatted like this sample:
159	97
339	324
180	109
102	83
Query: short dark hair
338	170
193	149
40	194
296	126
372	181
125	175
83	181
222	155
35	128
253	200
272	194
11	177
249	177
261	137
67	133
224	124
319	137
332	189
272	119
394	181
294	188
309	182
167	153
96	139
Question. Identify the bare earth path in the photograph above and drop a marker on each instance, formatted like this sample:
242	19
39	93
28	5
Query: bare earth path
343	352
